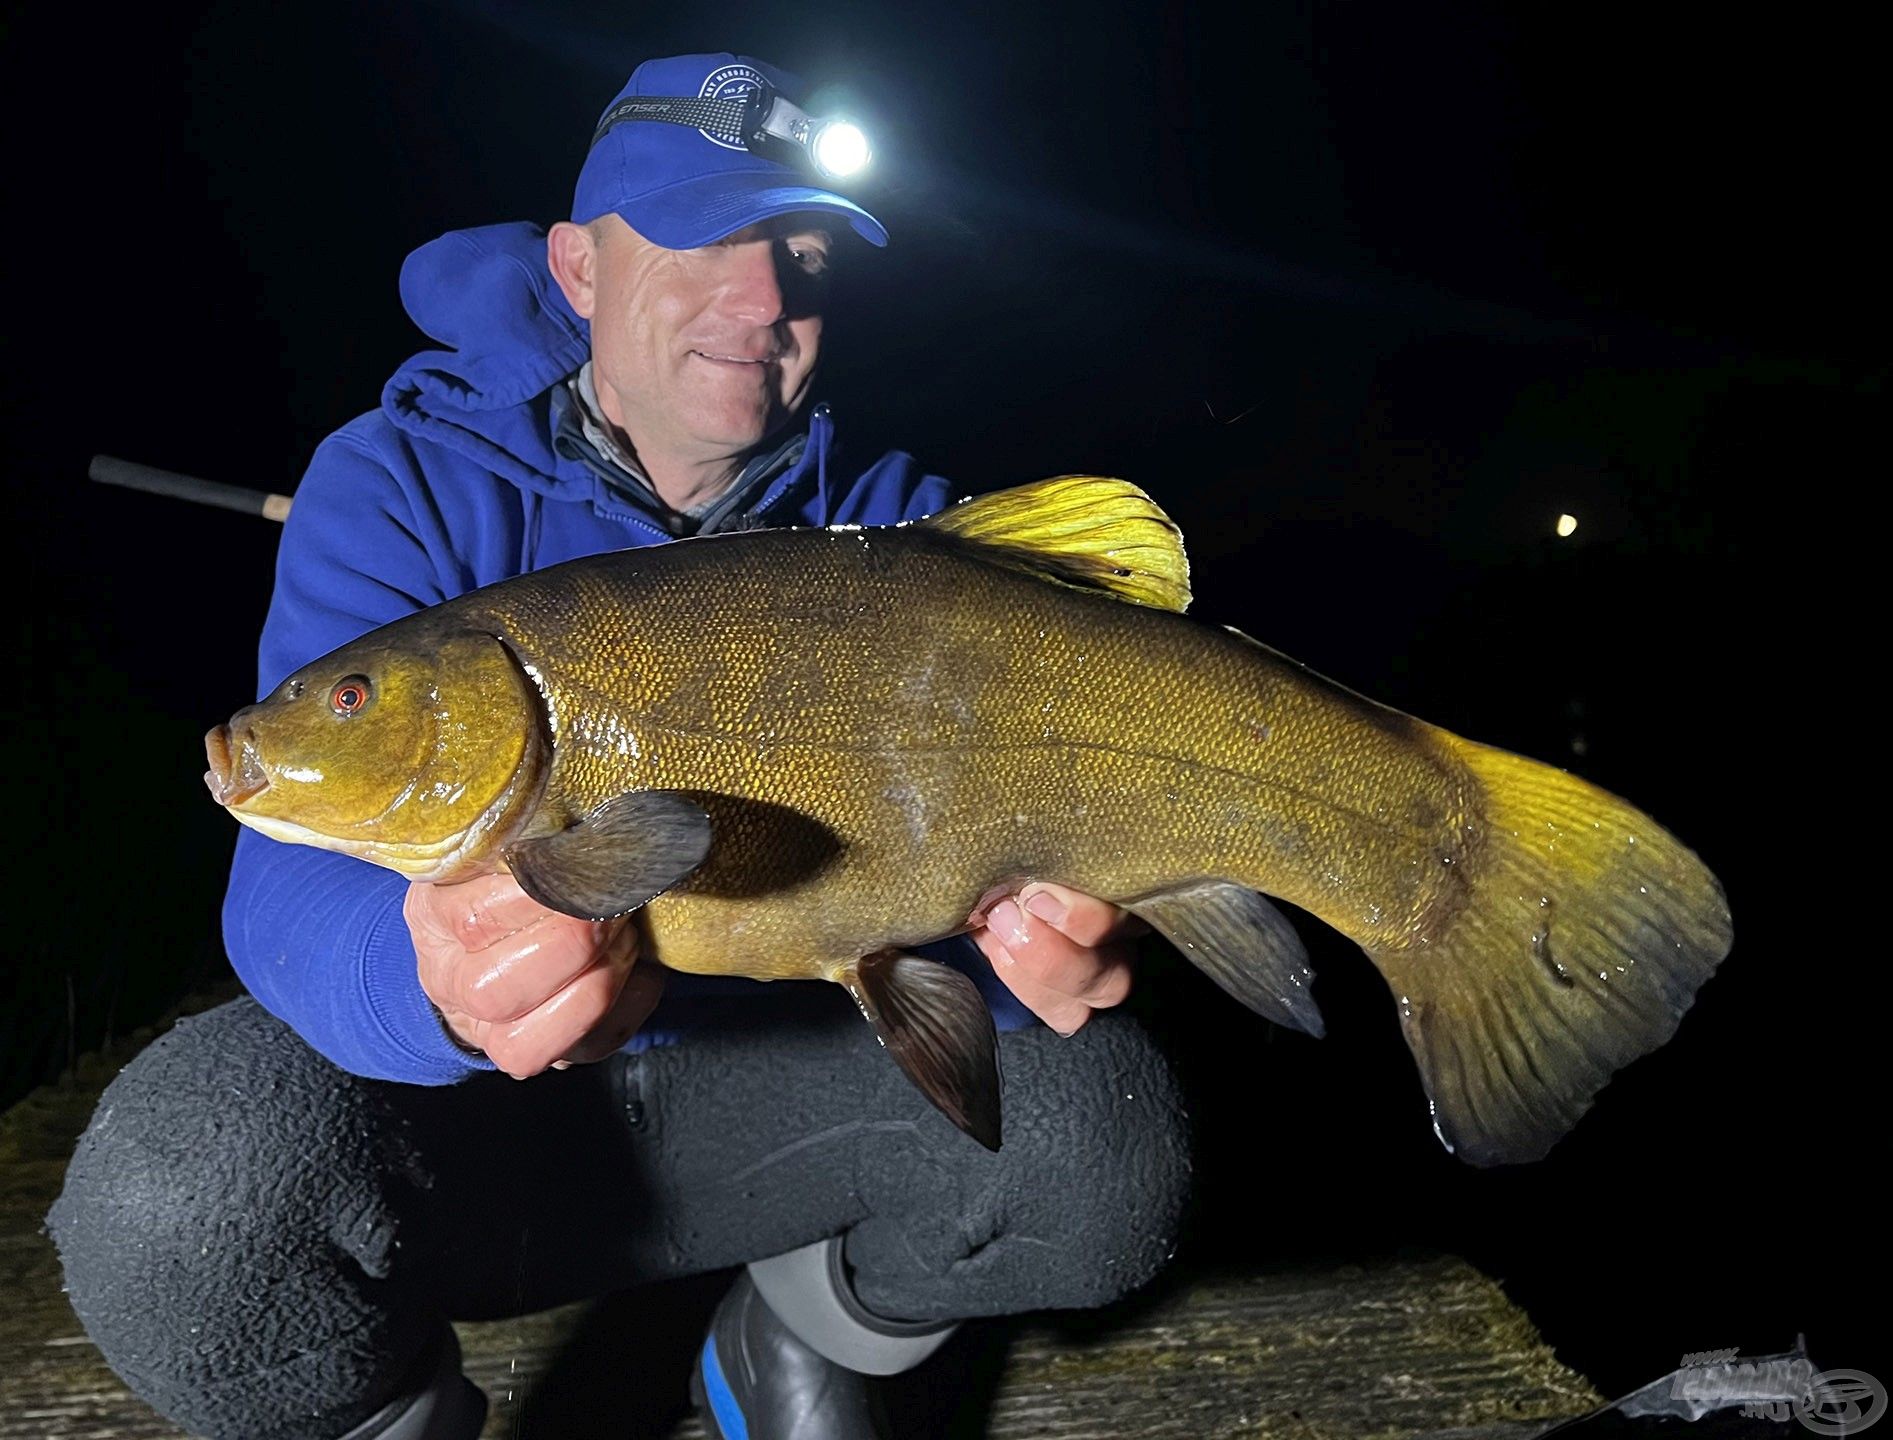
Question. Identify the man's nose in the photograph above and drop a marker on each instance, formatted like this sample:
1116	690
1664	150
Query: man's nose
755	289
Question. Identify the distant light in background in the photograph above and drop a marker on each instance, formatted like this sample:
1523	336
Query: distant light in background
1567	526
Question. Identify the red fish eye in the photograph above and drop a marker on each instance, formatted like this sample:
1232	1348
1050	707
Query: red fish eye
349	695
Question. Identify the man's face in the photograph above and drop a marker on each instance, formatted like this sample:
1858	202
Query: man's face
704	353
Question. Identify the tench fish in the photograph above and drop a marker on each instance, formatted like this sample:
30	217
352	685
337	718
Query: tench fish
802	753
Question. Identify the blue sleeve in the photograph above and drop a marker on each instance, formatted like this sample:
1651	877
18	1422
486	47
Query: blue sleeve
892	489
319	938
931	494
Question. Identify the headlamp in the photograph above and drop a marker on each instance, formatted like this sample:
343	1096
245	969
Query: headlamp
834	149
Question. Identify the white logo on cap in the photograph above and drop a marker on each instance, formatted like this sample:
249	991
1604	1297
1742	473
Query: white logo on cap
732	82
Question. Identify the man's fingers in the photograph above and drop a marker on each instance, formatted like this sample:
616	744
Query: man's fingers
552	1031
1101	978
1063	1013
634	1005
526	985
1054	961
1084	919
1064	954
512	977
1110	986
474	914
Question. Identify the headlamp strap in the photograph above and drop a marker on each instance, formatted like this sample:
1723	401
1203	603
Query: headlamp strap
738	115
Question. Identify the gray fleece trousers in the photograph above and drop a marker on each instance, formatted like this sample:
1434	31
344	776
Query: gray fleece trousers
266	1247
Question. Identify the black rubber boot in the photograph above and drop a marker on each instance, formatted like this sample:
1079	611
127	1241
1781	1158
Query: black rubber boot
754	1380
791	1350
441	1404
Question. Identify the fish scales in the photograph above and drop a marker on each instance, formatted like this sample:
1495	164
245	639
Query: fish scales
802	753
1051	731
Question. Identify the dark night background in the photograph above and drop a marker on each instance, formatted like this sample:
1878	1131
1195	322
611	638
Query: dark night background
1366	295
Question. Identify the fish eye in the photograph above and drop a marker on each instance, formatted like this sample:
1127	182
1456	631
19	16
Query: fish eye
350	695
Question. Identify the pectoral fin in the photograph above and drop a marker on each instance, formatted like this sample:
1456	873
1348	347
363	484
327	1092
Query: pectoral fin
1243	943
624	854
935	1024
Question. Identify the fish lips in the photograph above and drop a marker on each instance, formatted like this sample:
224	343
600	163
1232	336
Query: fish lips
236	772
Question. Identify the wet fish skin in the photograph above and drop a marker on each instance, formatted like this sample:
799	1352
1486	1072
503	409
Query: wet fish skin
864	732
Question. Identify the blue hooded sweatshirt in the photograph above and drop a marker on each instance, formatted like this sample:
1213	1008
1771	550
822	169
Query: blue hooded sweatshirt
476	469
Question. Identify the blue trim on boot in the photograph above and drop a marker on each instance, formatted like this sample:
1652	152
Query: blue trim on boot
729	1415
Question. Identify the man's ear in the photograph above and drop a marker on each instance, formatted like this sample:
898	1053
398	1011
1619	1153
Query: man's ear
572	257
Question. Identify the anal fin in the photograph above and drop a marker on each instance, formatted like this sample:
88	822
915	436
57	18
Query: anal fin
1243	943
935	1024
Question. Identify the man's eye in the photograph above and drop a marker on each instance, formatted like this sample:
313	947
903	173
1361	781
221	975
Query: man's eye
809	259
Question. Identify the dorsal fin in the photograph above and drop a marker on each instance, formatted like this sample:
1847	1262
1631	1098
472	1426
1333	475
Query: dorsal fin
1085	530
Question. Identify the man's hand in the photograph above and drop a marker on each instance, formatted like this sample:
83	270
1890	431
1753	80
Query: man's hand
1063	954
528	986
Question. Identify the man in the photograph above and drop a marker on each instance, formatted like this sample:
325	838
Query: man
267	1239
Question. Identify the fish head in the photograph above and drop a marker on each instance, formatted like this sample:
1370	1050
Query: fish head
419	751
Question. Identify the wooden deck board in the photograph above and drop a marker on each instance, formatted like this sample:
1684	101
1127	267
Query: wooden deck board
1415	1347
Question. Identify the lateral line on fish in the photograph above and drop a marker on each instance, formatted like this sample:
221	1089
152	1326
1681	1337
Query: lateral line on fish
841	747
1538	932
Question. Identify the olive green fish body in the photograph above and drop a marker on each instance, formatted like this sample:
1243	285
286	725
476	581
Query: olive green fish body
964	726
872	731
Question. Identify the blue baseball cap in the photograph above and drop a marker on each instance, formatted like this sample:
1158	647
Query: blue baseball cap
681	187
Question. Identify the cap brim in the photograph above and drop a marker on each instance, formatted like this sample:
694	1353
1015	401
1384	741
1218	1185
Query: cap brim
705	208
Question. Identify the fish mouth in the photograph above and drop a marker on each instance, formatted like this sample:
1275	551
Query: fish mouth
236	772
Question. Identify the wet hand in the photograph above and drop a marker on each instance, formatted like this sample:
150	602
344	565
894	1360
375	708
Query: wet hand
527	986
1062	953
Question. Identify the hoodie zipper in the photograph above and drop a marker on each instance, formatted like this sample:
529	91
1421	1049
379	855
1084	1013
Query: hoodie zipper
816	445
612	501
820	437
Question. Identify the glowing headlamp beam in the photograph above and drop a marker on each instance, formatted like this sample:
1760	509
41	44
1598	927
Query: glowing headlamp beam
837	148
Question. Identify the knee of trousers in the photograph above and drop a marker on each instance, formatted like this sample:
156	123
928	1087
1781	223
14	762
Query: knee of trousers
229	1230
1082	1204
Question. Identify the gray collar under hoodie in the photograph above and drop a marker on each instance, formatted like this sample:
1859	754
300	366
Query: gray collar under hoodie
580	432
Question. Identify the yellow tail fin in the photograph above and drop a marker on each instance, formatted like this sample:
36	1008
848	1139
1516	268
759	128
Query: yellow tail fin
1587	930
